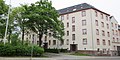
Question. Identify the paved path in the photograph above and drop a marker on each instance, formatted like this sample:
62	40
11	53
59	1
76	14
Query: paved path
64	57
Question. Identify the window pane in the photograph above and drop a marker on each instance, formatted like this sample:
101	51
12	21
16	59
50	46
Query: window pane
84	31
84	41
98	42
73	19
73	36
83	22
67	33
73	27
83	13
54	42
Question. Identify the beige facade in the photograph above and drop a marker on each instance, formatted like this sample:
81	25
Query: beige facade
87	30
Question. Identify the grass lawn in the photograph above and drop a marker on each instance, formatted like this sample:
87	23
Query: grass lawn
80	54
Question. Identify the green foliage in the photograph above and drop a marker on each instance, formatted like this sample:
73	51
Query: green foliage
56	50
3	13
3	7
52	50
21	50
42	17
14	40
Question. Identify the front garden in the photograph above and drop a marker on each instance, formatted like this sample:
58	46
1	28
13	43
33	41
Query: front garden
20	50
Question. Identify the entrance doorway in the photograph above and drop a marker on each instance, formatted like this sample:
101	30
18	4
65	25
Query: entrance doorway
73	47
118	49
45	45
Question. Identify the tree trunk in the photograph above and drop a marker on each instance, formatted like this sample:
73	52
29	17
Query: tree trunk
23	35
40	38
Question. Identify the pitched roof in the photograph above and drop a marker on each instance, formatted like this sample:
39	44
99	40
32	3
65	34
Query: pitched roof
78	7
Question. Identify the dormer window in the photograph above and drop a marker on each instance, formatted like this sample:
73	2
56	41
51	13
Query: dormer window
74	9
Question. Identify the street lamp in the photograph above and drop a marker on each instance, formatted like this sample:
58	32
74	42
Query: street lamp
32	47
7	22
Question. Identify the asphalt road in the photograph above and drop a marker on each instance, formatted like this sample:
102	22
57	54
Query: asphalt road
64	57
60	58
87	58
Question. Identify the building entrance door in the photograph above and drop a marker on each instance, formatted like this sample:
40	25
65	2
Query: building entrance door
73	47
45	45
118	49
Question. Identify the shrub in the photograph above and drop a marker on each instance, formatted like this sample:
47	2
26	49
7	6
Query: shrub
52	50
55	50
21	50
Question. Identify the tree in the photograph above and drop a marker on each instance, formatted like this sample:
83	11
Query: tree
3	14
3	7
42	17
19	18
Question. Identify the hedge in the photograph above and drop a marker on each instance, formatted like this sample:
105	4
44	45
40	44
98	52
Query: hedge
9	50
55	50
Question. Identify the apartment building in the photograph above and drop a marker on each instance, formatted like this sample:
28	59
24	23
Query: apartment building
87	30
115	36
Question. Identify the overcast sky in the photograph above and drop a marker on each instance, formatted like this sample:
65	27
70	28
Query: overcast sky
111	7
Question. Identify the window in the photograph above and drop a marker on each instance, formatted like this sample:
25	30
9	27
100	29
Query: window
117	40
113	39
33	37
104	43
67	24
67	16
73	36
27	39
84	31
107	26
62	42
113	31
102	24
96	22
49	42
45	38
50	34
98	50
96	14
114	47
104	50
83	13
54	42
108	33
101	15
67	42
67	33
107	18
37	42
73	28
84	41
109	42
103	33
83	22
112	24
116	32
108	52
62	17
98	42
115	25
29	36
97	32
27	33
73	19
